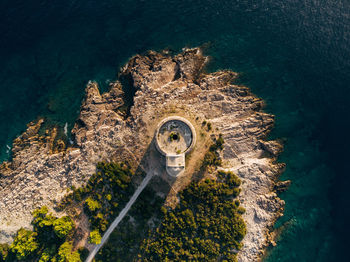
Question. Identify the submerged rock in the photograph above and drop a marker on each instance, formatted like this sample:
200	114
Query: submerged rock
42	170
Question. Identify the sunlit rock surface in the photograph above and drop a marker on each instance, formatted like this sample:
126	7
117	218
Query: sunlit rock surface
43	167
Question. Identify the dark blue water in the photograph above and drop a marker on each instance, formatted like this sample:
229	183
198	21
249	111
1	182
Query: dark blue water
293	53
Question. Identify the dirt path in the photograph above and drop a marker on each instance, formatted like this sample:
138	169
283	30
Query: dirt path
120	217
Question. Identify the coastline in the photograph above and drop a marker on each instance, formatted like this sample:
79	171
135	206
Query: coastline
43	166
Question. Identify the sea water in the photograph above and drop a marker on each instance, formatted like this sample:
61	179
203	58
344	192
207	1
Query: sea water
292	53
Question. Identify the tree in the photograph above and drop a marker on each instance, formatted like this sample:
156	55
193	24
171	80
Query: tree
4	249
65	253
63	226
42	218
95	237
45	256
25	244
92	204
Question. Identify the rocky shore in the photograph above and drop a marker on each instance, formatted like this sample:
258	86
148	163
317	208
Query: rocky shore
109	128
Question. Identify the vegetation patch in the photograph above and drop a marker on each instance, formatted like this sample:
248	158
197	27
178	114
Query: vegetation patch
4	250
206	225
125	241
50	240
212	157
102	198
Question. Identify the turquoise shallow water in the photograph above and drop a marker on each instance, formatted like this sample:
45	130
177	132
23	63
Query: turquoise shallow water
294	54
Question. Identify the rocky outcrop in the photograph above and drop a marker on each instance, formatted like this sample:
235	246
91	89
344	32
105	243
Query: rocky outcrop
42	169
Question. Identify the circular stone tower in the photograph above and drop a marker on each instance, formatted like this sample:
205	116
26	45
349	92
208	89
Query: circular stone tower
175	136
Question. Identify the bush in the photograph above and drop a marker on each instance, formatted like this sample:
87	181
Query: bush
92	204
65	253
49	254
41	218
218	145
209	126
95	237
45	257
4	250
25	244
63	226
211	159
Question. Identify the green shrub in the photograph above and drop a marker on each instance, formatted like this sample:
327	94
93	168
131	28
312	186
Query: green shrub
211	159
92	204
45	257
49	254
218	145
4	250
95	237
25	244
41	218
65	253
63	226
109	197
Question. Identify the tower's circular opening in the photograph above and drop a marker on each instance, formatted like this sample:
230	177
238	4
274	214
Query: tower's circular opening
174	136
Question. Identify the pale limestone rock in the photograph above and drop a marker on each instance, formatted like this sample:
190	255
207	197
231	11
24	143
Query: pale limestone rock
39	174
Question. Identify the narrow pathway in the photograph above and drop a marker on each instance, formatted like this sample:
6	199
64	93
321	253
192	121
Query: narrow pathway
120	217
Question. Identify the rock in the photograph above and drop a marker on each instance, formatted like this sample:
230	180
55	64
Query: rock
273	147
40	173
282	186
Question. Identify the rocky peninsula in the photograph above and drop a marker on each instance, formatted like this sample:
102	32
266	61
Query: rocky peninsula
113	127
